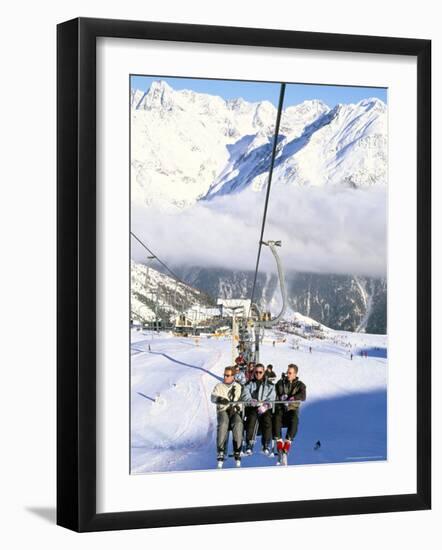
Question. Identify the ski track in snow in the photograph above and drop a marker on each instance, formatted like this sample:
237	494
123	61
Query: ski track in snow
194	391
177	431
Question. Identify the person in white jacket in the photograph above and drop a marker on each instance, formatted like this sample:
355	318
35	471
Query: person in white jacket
225	394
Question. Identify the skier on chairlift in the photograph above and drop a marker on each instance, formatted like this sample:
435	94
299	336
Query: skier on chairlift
240	377
269	374
240	360
228	415
250	371
289	388
254	393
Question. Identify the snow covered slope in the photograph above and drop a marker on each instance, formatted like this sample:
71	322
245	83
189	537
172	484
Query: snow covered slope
345	146
199	172
188	146
181	140
174	423
342	302
155	295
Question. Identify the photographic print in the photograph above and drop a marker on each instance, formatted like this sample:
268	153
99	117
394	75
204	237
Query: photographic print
258	274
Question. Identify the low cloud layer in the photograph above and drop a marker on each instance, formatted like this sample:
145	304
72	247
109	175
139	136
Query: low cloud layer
322	230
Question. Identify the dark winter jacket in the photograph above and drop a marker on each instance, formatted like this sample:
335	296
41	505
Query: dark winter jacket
296	390
264	391
270	376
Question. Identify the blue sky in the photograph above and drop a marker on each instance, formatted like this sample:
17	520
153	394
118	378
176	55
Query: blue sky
258	91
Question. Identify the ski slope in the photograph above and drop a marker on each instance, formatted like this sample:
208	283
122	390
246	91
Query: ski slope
173	422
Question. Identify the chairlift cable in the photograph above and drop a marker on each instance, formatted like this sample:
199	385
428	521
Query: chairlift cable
272	163
174	275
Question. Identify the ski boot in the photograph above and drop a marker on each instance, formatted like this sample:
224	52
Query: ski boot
220	460
266	450
279	451
285	451
237	458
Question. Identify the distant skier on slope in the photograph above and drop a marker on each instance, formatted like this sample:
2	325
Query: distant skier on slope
225	394
289	389
256	390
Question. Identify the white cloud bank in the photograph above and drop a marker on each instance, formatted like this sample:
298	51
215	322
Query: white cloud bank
323	230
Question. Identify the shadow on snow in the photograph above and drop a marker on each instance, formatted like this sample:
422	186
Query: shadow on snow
186	364
350	428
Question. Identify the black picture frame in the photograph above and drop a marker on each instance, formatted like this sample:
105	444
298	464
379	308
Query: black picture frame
76	273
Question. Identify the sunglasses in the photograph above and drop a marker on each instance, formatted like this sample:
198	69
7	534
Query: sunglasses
228	375
259	372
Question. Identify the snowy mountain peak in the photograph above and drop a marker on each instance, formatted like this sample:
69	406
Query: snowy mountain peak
161	86
373	103
159	95
364	105
188	146
308	106
236	104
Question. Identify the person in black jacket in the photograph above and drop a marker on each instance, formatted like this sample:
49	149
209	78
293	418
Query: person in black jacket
269	374
289	388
